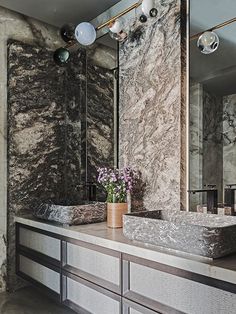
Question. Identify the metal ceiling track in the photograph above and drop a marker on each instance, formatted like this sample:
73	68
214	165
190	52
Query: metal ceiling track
233	20
111	20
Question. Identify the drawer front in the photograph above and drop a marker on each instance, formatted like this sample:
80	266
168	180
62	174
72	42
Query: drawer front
168	293
39	242
130	307
93	263
39	273
85	297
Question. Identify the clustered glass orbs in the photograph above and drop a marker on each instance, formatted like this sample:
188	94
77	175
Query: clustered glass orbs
208	42
85	32
148	10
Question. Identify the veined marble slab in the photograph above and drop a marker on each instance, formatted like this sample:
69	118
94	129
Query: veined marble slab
98	234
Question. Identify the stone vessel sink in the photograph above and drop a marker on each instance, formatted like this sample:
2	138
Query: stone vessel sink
207	235
85	213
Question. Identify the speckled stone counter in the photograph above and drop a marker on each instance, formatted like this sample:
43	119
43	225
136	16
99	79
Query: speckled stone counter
98	234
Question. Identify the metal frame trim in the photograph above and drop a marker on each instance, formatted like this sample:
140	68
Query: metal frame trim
212	282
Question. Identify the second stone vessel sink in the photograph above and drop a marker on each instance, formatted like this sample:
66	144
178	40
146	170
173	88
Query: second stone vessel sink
85	213
196	233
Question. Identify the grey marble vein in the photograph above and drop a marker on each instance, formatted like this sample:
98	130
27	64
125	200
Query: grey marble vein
150	107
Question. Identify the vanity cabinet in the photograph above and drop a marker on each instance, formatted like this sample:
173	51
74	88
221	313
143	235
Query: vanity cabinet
93	279
130	307
99	265
86	297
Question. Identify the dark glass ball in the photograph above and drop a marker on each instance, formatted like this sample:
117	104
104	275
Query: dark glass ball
153	12
67	32
61	56
143	18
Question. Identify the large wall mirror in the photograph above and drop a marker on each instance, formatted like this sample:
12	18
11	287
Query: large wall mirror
212	99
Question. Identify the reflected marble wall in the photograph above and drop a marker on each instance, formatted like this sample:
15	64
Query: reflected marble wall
150	107
229	139
100	120
195	141
212	141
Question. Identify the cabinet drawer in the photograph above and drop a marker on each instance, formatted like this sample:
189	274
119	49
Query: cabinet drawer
85	297
99	265
38	242
39	274
130	307
148	283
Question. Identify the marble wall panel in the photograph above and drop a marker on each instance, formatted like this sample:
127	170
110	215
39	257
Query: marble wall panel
150	107
19	27
36	128
60	127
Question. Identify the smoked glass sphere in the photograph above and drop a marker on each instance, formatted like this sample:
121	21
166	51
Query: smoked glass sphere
153	12
61	56
67	32
143	18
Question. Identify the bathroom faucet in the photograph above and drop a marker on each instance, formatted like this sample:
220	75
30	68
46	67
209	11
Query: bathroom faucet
212	197
229	197
91	191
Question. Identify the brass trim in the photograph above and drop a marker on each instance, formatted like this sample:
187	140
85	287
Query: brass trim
134	6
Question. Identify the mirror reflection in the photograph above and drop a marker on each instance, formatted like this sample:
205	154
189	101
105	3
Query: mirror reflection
212	98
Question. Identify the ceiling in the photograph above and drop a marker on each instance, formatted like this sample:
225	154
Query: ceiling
216	71
59	12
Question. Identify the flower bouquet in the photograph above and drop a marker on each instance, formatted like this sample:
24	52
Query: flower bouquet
118	184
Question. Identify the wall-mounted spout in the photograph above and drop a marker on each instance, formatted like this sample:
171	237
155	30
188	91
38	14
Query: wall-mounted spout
229	195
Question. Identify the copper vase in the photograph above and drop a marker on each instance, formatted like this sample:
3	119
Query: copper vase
115	212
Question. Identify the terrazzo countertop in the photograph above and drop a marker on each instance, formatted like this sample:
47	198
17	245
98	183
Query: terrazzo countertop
98	234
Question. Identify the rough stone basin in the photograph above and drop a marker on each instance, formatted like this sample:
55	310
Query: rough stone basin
196	233
85	213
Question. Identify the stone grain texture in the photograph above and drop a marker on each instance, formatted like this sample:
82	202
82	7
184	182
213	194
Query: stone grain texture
150	108
52	132
208	235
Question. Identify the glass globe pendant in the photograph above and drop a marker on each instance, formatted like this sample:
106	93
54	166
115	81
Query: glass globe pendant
85	33
61	56
208	42
67	32
116	26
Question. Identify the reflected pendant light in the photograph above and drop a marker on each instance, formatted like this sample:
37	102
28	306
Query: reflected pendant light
208	42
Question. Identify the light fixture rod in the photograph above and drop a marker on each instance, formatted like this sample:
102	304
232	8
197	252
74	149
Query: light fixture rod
134	6
233	20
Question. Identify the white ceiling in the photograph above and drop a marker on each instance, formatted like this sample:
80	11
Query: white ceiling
216	71
59	12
